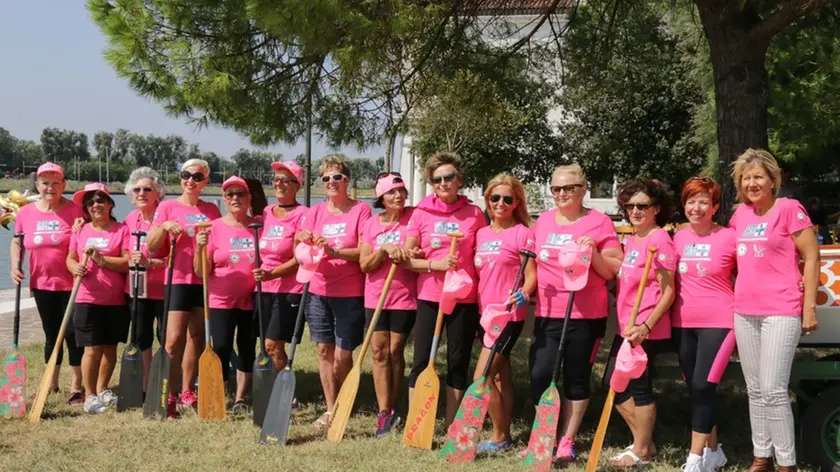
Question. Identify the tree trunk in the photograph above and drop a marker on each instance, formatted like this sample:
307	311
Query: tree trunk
389	148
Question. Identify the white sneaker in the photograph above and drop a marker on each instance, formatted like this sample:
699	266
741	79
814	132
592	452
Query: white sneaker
108	398
694	464
93	405
714	460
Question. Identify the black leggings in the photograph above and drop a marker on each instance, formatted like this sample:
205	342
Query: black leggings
51	306
704	355
641	389
223	322
460	328
583	337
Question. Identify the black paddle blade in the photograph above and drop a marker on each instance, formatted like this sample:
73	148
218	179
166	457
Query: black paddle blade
131	379
264	377
278	415
157	391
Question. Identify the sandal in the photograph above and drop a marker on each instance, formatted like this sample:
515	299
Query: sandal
76	398
637	462
323	421
486	447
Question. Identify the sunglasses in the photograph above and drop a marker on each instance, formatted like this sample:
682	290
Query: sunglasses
508	199
556	189
197	177
96	198
137	190
447	178
705	180
236	193
285	180
336	177
383	174
639	206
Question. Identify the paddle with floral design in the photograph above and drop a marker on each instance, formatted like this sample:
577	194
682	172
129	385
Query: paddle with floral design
463	432
13	380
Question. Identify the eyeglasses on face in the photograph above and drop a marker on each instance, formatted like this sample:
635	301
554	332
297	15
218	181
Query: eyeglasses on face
285	180
137	190
96	198
336	177
448	178
639	206
236	193
197	177
556	189
508	199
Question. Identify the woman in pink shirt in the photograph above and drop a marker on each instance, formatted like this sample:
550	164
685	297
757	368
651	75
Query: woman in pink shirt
335	310
185	321
702	314
281	293
441	212
770	312
646	203
570	222
497	261
100	314
46	225
230	263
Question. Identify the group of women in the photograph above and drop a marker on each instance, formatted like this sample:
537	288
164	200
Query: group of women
710	288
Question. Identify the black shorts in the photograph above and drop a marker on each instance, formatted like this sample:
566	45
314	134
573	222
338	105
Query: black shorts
148	311
101	325
280	312
507	340
186	297
395	321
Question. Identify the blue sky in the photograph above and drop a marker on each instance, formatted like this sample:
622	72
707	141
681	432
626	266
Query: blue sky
52	73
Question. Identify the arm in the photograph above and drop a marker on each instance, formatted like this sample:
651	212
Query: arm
117	263
637	334
369	259
201	239
426	265
155	239
607	262
73	265
347	253
15	250
806	243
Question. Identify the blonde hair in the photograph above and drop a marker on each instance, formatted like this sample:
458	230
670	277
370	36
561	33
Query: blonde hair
334	160
200	163
571	169
442	159
760	157
520	213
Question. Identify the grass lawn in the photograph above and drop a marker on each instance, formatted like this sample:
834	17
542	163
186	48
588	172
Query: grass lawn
67	439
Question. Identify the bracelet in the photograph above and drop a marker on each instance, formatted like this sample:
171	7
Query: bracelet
430	265
646	326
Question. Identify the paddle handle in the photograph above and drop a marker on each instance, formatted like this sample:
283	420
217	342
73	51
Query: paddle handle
453	243
559	361
256	227
207	338
298	326
638	303
135	290
394	267
168	295
16	332
600	434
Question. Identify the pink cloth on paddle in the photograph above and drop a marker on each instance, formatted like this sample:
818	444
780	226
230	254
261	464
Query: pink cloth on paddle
591	301
432	219
630	363
705	264
230	281
630	277
768	262
722	358
155	276
494	318
575	261
456	286
47	240
403	292
344	278
497	261
188	217
309	258
101	286
277	240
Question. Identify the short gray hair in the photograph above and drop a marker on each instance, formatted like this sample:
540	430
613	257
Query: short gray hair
145	173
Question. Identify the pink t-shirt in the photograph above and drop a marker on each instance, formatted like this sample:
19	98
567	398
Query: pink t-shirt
46	239
101	286
768	262
154	275
186	216
705	264
277	240
230	282
497	261
431	220
591	301
630	277
403	292
344	278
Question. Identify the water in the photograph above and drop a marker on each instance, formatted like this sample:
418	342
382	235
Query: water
121	210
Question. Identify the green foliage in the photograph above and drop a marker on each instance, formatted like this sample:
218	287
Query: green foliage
62	145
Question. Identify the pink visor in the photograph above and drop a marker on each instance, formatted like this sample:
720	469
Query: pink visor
630	363
388	183
290	166
456	285
575	260
493	320
234	180
49	167
79	197
308	257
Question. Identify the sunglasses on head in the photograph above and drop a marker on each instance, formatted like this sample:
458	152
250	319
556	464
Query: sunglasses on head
639	206
236	193
447	178
556	189
197	177
705	180
285	180
137	190
508	199
336	177
383	174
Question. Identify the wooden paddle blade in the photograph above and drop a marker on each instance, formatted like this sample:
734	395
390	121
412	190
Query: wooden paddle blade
600	433
278	415
13	385
157	390
544	431
468	423
131	379
264	375
422	410
211	387
344	404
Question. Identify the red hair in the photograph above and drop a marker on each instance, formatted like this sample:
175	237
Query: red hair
699	184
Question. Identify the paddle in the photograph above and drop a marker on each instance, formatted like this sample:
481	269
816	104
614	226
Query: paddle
258	200
13	383
264	373
131	365
157	390
601	432
468	422
275	426
211	385
422	410
46	377
350	387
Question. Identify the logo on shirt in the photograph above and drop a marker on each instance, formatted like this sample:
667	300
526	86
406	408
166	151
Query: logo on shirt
388	238
241	243
275	231
490	246
701	269
233	258
335	229
742	249
443	227
263	244
38	239
195	218
52	225
544	255
697	250
558	239
800	215
758	230
758	251
477	261
631	257
683	267
98	243
435	243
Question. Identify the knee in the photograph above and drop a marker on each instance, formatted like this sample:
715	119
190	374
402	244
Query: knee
343	357
396	353
325	351
775	395
381	355
703	392
175	342
576	389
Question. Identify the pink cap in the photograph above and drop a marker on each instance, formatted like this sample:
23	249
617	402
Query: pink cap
630	363
49	167
290	166
493	320
234	180
79	197
387	183
456	285
308	257
575	260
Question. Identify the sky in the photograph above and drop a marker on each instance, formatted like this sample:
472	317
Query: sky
53	73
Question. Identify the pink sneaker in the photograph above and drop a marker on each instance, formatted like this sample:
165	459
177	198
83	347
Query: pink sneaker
188	399
565	450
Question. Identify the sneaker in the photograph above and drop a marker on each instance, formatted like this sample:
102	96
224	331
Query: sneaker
714	460
76	398
94	406
188	399
486	447
565	450
171	407
239	407
386	421
108	398
694	464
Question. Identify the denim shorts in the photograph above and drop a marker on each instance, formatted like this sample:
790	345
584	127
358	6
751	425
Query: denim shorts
336	320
